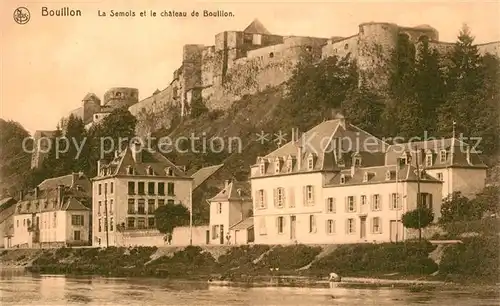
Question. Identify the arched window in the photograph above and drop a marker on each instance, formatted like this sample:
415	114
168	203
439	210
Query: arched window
271	55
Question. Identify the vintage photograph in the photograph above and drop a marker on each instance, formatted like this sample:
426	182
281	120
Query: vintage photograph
249	152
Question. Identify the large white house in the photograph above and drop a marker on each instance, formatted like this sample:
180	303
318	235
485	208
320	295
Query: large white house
333	185
127	191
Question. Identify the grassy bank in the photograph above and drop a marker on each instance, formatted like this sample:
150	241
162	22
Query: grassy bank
475	260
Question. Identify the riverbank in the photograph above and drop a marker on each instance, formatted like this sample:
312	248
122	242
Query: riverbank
474	261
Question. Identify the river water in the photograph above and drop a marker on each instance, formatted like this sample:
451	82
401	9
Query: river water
20	288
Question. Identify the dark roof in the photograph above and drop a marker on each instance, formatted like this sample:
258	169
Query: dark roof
243	225
203	174
256	27
71	200
6	203
318	143
233	191
69	180
148	160
91	96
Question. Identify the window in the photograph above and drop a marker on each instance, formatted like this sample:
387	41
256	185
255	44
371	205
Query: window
330	226
428	160
100	226
342	179
111	225
351	226
309	194
219	208
151	222
141	203
395	202
110	206
215	231
439	176
169	171
442	156
376	225
151	188
99	205
161	202
262	168
363	200
141	223
170	189
105	188
130	222
131	188
130	170
140	187
170	202
376	202
365	177
310	163
280	197
100	189
351	204
330	205
151	206
346	46
357	161
77	220
76	235
150	170
289	166
281	224
261	199
111	188
312	224
387	175
277	167
426	200
271	55
161	188
131	206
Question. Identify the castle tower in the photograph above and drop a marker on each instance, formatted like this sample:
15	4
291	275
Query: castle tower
91	105
121	97
376	43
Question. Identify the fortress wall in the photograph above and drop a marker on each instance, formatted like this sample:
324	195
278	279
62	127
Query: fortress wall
191	66
265	52
492	48
341	48
121	96
416	33
208	58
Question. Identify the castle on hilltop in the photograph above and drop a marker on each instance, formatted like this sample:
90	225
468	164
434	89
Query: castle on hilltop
246	62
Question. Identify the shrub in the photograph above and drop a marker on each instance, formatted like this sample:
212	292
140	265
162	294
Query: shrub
476	258
241	256
289	257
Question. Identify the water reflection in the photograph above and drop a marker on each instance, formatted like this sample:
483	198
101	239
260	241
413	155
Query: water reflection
20	288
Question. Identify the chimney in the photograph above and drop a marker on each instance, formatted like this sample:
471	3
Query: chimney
37	192
467	155
60	189
299	156
226	183
137	151
341	119
21	195
74	178
99	166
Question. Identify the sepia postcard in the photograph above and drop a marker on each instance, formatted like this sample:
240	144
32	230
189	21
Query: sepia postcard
249	152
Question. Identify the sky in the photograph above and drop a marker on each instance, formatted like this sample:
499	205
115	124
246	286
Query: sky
50	63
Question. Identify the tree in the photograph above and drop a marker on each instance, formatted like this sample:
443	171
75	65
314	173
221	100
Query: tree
488	201
457	207
15	161
418	219
364	109
402	77
170	216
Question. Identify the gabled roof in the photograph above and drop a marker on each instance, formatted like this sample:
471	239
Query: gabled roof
243	225
256	27
7	202
69	180
319	140
74	204
234	191
71	200
203	174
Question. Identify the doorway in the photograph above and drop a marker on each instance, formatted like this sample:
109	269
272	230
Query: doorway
362	232
222	234
207	237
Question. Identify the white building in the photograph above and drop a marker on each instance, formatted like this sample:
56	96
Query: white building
127	191
231	220
332	185
52	217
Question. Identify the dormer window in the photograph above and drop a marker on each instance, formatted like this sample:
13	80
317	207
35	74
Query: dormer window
442	156
387	175
150	170
277	166
357	161
365	177
310	163
289	165
428	160
130	170
342	179
169	171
